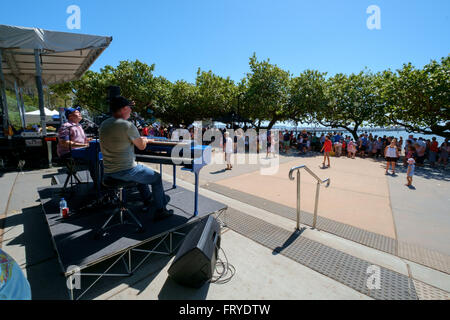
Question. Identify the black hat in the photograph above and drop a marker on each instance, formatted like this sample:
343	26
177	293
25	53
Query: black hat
118	103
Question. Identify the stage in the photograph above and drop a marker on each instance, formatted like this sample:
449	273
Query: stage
75	240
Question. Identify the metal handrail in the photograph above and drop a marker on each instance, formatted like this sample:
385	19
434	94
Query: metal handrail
319	182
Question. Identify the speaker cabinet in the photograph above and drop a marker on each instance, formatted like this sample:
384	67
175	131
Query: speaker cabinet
195	261
112	92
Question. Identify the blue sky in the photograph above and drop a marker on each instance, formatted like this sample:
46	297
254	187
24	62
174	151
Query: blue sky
221	35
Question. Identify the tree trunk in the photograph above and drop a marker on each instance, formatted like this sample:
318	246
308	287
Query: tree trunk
271	123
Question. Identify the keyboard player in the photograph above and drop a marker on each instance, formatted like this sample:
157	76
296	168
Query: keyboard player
71	136
118	137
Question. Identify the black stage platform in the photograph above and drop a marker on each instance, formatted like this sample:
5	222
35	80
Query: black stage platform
74	237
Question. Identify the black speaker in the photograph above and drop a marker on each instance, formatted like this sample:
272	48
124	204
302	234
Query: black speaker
112	91
195	261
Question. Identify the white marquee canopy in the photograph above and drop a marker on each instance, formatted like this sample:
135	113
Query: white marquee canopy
63	56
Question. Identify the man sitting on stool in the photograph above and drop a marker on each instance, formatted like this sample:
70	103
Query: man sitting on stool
117	140
71	136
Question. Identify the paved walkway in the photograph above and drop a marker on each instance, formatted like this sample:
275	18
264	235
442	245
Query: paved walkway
358	194
261	273
422	213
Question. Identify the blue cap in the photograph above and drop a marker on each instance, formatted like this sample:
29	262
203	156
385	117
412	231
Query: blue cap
68	111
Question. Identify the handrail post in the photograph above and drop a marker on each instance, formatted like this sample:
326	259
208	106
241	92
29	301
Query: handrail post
298	199
319	182
316	204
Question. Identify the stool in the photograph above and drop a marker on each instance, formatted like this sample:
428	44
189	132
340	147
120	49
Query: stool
72	170
118	189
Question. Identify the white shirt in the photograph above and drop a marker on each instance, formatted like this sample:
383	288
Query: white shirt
229	145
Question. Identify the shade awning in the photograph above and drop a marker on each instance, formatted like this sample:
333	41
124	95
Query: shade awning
35	116
64	56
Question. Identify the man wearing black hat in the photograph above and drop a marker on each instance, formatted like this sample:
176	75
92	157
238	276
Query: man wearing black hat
118	137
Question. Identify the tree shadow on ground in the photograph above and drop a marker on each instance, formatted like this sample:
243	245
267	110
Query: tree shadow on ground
427	172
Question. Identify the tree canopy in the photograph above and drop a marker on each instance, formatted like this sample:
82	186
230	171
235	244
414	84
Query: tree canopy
416	98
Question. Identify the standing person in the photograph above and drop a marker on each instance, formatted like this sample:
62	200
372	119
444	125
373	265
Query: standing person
228	148
145	131
411	153
391	154
286	141
369	147
326	149
400	144
118	137
351	148
305	141
322	140
379	147
269	143
338	148
420	150
410	172
408	144
344	145
434	149
443	154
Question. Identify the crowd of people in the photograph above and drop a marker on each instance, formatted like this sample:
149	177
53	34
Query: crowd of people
368	145
336	144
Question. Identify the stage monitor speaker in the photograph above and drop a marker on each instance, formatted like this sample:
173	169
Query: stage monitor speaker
113	91
195	261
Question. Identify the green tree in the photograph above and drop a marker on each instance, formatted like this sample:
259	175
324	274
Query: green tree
267	93
419	99
183	106
307	96
352	101
135	79
216	95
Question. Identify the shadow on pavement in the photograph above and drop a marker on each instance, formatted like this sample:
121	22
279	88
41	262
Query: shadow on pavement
173	291
289	241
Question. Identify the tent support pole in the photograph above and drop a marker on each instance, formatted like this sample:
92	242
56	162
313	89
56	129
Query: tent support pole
3	101
22	106
41	104
19	105
40	90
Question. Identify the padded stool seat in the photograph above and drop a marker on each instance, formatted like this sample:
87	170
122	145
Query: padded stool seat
112	183
118	188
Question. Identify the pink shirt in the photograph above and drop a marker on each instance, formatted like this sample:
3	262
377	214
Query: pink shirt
70	131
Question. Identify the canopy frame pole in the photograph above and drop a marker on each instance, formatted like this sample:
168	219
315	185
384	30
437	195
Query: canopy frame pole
37	56
3	101
22	106
19	104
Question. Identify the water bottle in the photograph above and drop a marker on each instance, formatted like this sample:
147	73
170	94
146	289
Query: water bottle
63	209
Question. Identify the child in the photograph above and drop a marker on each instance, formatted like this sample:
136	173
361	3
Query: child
410	171
326	149
351	149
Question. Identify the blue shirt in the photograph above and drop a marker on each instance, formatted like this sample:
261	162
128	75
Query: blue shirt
411	173
364	141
